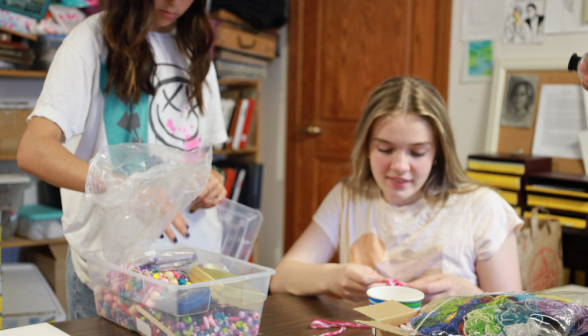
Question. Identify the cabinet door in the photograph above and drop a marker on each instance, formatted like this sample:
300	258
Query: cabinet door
340	50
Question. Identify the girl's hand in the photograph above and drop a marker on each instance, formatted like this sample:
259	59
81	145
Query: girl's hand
582	67
351	281
181	225
213	193
443	285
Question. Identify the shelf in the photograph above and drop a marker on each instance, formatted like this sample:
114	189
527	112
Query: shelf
248	150
7	157
241	82
14	32
23	73
23	242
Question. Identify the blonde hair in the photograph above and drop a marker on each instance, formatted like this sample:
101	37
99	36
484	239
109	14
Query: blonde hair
401	95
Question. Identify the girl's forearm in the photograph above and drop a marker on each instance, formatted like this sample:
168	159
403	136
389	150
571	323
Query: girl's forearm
41	154
302	279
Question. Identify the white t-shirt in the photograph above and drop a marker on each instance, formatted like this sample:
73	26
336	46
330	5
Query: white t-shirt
74	98
419	239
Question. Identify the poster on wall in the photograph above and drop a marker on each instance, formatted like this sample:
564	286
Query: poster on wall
482	19
525	22
560	121
565	16
518	107
478	61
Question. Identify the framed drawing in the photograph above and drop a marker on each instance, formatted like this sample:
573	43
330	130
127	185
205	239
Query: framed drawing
514	101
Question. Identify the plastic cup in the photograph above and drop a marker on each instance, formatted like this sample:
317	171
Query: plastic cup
410	297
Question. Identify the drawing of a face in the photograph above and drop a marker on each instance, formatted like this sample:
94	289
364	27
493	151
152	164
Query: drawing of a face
173	120
521	97
531	11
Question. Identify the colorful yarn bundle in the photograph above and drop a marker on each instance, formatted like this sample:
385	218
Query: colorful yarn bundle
509	314
131	303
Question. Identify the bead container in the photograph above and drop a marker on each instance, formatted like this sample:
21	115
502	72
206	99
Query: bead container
223	307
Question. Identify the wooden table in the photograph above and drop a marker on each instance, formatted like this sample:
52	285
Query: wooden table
282	315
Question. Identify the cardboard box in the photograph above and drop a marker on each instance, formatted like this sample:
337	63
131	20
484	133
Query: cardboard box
386	317
51	262
12	127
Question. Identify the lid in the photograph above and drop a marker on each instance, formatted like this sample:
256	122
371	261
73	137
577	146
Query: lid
27	293
39	212
573	64
14	178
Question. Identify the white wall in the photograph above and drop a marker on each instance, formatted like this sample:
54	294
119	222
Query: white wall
273	156
468	102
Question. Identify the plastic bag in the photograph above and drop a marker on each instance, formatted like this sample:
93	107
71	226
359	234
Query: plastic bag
139	189
508	314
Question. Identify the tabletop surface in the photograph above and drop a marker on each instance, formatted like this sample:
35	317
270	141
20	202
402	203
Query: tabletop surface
282	315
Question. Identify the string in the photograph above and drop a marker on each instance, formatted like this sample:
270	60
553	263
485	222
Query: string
324	324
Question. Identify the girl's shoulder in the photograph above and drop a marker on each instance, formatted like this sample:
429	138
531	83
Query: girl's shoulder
86	37
474	196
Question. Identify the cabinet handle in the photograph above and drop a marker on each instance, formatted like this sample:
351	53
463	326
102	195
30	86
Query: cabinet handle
313	130
242	45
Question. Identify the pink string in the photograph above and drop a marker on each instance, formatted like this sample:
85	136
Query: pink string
394	282
324	324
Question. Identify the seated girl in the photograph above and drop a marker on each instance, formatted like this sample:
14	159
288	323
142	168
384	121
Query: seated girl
408	211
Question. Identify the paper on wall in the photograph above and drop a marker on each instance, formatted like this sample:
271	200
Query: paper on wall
482	19
565	16
524	22
560	118
478	64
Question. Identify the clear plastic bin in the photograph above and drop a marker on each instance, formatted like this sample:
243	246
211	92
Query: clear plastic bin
238	225
153	307
241	225
12	187
38	222
27	297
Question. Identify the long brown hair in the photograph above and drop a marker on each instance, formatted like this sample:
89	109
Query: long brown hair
130	61
400	95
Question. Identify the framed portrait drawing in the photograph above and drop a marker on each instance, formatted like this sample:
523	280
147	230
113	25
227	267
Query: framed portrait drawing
514	101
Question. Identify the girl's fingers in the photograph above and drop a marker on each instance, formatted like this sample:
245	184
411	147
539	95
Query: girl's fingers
169	232
181	225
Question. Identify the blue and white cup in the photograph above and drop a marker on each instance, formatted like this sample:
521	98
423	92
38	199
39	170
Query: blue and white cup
410	297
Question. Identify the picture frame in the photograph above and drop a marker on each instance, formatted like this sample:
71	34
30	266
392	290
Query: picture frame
509	140
498	93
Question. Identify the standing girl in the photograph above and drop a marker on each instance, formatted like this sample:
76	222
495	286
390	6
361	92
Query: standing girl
138	72
407	211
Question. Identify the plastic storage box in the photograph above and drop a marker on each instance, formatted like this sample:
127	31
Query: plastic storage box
241	225
32	8
28	299
12	189
231	305
37	222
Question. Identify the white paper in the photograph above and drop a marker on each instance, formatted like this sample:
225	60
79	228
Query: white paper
482	19
585	95
565	16
560	119
524	21
583	138
44	329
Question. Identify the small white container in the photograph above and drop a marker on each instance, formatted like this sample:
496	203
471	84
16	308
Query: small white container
27	297
38	222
